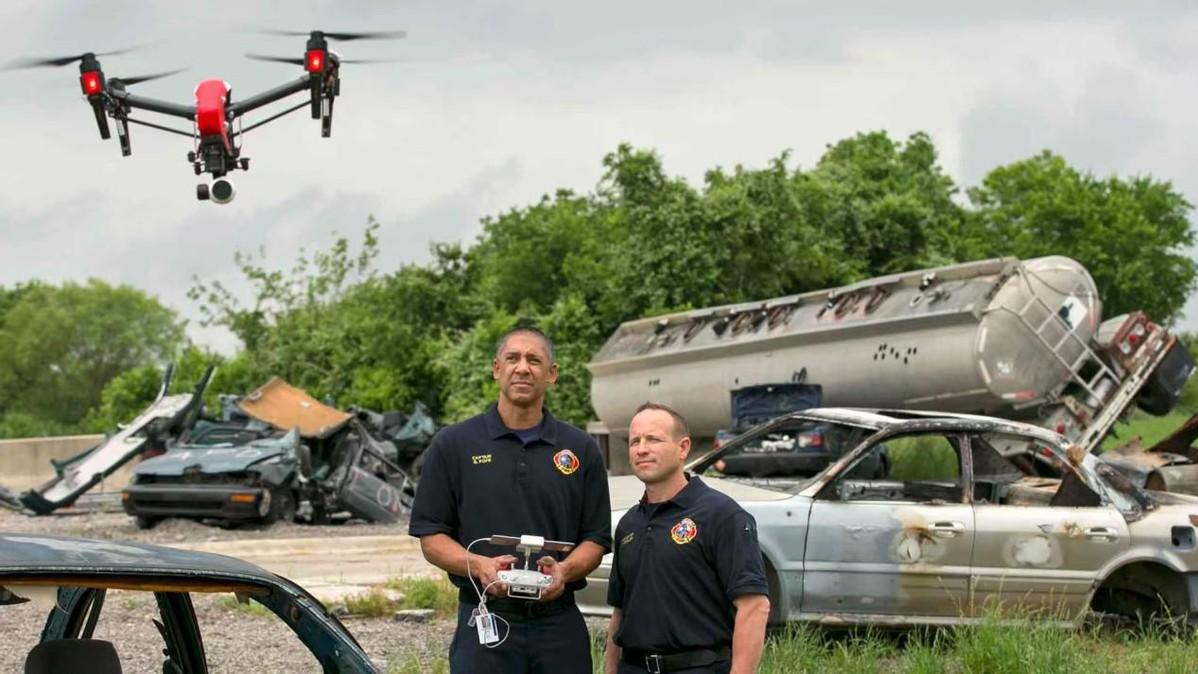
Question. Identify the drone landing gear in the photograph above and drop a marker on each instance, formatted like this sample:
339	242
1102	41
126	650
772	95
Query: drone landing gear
122	133
326	118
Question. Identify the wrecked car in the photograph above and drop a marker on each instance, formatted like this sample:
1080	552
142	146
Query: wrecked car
149	433
974	515
259	480
275	454
60	585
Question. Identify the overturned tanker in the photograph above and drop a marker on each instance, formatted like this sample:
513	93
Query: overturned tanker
1017	339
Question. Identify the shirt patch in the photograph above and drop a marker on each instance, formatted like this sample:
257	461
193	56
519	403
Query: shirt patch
627	539
685	531
565	462
480	459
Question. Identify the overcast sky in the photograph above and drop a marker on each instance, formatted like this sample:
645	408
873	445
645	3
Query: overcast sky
494	104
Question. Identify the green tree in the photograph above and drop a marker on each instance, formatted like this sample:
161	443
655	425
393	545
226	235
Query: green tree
1131	234
61	345
888	204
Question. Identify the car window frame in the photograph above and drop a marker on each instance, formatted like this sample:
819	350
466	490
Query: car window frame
828	479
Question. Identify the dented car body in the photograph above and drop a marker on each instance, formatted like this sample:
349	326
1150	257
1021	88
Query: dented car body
975	515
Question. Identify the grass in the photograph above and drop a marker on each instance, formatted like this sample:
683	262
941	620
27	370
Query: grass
991	647
436	593
1150	429
229	602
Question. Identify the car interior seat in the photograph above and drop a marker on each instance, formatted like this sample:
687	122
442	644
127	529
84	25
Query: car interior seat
73	656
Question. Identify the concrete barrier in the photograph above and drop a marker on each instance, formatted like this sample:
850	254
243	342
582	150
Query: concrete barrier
25	462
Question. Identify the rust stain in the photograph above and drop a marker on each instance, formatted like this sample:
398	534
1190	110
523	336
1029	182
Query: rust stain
1075	454
1071	529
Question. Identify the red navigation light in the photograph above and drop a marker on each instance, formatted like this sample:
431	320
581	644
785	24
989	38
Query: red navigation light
90	81
316	60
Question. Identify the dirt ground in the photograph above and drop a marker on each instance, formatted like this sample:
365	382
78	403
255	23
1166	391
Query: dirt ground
119	526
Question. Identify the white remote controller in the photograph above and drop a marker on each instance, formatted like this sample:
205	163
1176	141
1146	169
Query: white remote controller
525	583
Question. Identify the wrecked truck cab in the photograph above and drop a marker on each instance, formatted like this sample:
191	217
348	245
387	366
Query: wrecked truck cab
258	481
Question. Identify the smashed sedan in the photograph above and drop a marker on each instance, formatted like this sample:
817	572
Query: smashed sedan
974	515
275	455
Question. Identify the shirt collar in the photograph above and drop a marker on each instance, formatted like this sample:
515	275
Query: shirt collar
497	429
687	496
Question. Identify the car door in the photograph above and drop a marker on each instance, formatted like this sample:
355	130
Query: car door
1040	543
896	545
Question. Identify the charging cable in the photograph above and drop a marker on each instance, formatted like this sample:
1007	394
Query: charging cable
482	597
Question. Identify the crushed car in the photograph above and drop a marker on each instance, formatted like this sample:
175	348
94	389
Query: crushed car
277	454
974	515
72	577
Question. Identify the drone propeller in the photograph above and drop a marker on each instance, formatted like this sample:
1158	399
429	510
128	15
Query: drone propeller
59	61
130	81
277	59
300	61
344	37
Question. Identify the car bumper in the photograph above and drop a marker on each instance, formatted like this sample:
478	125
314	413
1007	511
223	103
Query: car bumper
220	501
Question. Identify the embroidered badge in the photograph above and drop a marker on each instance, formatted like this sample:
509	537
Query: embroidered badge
480	458
685	531
565	461
627	539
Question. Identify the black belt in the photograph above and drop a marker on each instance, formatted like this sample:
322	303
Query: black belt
669	662
523	608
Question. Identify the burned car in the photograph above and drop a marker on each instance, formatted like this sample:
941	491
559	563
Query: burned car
274	454
58	587
976	514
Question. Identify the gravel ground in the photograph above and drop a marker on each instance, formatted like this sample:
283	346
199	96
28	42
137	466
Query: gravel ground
119	526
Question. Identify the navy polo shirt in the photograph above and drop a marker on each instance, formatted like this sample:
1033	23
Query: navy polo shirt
678	566
481	479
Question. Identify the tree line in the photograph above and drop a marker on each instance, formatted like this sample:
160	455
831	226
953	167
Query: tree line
83	357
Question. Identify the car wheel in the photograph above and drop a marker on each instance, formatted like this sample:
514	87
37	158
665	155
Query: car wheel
282	506
145	522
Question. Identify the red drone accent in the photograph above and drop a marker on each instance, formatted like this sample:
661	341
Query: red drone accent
211	98
316	59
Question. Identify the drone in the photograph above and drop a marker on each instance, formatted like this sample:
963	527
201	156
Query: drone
216	116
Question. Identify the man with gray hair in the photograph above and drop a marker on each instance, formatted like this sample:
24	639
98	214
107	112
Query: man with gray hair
515	470
687	583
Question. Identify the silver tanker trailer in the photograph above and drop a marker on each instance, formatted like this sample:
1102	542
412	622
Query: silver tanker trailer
1017	339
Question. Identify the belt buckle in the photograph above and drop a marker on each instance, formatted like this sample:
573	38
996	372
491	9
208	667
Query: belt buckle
653	663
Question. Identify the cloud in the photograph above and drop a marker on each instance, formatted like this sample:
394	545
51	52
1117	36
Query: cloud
496	104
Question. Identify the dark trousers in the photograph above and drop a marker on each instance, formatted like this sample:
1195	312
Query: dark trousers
714	668
541	645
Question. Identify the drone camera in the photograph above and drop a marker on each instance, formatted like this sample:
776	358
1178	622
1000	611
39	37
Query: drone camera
222	190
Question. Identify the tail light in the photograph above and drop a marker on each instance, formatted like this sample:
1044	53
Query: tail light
809	439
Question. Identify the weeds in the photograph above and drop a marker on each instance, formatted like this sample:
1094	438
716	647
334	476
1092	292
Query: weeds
436	593
230	602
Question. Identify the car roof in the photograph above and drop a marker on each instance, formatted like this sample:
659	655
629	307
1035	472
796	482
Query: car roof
31	553
898	419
